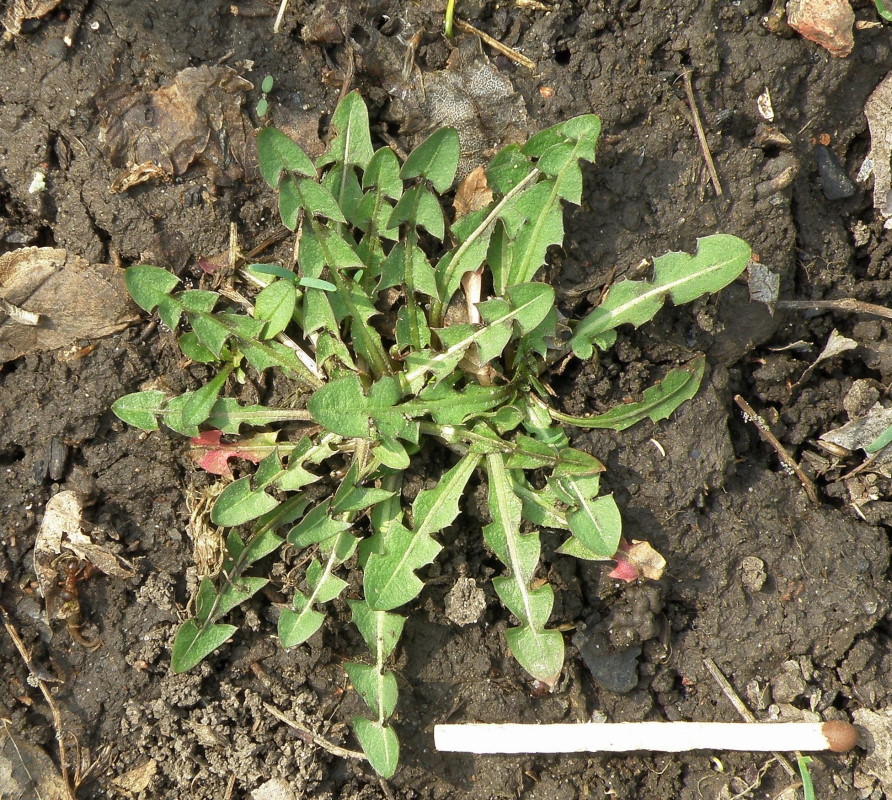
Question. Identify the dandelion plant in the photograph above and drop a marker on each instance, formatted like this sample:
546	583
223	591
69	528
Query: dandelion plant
402	329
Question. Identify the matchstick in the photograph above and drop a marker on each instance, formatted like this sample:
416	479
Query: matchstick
667	737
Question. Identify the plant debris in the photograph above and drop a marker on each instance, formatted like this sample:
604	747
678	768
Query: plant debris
73	299
878	110
19	11
196	117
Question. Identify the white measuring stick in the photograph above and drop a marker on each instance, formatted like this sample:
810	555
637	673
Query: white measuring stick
667	737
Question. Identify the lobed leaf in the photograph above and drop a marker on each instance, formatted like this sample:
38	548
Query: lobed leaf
149	286
277	154
194	642
718	261
435	159
380	745
238	503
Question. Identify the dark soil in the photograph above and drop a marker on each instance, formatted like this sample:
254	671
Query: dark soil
789	598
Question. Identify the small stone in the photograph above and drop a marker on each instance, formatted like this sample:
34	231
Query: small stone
275	789
615	671
861	397
752	573
789	685
835	183
828	23
465	602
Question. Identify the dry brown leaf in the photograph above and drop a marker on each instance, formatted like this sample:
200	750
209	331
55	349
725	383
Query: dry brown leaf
136	780
648	562
27	771
859	433
137	174
878	110
470	95
473	193
197	117
76	300
21	10
62	527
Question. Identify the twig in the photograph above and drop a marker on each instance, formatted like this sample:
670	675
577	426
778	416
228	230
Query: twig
846	304
308	735
495	44
663	737
701	134
744	712
54	709
751	416
278	23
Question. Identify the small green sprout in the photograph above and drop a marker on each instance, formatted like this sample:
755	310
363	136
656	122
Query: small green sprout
263	103
808	789
405	331
450	16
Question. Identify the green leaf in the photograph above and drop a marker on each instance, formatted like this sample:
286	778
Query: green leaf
380	630
210	332
295	627
389	578
597	524
199	406
149	286
267	86
193	643
277	154
193	349
435	159
342	408
238	503
718	261
316	199
383	173
140	409
658	403
317	526
379	690
380	745
507	169
576	549
198	300
271	269
873	447
352	143
276	304
235	593
435	509
539	651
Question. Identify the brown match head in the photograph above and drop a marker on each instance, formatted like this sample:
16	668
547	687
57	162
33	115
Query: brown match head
841	736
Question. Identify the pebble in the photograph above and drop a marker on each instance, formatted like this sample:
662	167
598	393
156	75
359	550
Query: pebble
615	671
835	183
828	23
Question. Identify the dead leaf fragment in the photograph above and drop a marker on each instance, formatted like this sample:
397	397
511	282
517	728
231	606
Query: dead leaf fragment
27	771
196	117
473	193
859	433
74	299
21	10
878	110
470	95
764	285
836	344
137	780
62	528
